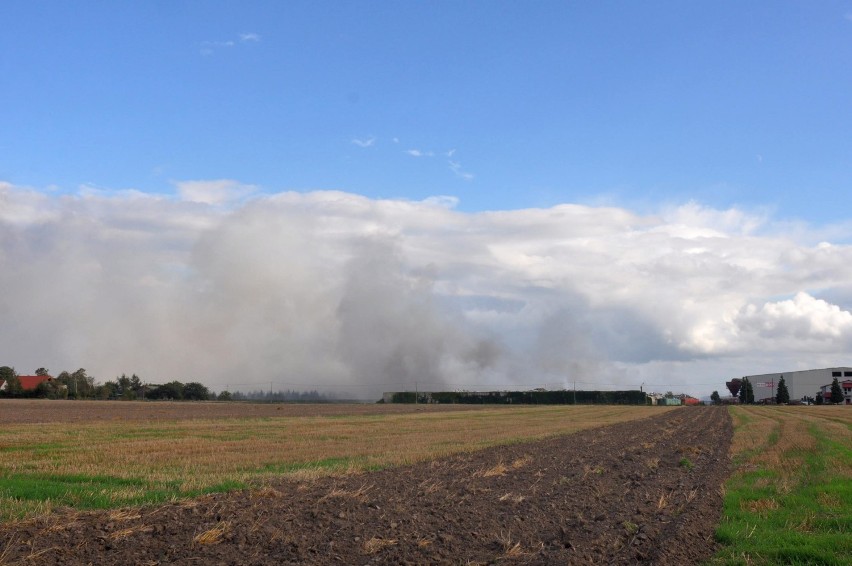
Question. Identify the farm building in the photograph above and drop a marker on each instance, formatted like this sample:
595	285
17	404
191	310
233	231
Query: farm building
799	383
28	382
846	386
31	382
672	400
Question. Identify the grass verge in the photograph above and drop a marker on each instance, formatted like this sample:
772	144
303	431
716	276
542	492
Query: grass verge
789	500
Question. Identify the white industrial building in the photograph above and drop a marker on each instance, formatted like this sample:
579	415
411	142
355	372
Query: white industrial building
799	383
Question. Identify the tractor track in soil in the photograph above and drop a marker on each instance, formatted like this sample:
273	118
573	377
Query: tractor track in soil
645	491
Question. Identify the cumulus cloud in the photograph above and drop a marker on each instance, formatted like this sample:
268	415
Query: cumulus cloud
344	293
220	191
802	318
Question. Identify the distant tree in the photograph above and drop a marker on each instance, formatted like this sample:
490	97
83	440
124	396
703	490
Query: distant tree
715	398
51	390
819	399
105	391
287	396
124	388
42	371
65	379
224	396
194	391
171	390
836	392
734	386
6	372
136	384
746	392
80	384
782	395
12	387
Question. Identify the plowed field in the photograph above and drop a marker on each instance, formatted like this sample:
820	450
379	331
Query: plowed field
641	491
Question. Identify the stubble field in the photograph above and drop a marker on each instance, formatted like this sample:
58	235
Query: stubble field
107	454
185	483
469	485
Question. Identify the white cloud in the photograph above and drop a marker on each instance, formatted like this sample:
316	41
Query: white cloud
456	168
220	191
419	153
209	47
443	201
341	292
802	318
369	142
16	211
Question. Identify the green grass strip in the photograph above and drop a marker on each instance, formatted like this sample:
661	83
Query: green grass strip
94	492
779	516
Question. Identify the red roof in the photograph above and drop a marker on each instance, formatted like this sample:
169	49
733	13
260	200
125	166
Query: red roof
31	382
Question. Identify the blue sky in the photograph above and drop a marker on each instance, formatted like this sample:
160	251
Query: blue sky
358	196
509	104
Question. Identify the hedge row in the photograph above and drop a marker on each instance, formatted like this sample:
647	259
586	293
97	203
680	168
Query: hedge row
563	397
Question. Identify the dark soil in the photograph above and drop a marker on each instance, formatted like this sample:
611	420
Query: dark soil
642	491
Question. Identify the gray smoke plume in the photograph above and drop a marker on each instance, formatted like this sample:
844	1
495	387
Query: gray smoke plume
340	293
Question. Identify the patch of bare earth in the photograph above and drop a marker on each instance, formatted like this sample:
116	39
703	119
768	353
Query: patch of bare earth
642	491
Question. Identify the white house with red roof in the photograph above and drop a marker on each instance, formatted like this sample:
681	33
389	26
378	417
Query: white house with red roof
28	382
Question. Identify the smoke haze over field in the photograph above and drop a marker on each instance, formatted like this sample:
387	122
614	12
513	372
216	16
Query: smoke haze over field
341	293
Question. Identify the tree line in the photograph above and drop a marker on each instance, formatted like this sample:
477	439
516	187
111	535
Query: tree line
81	385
